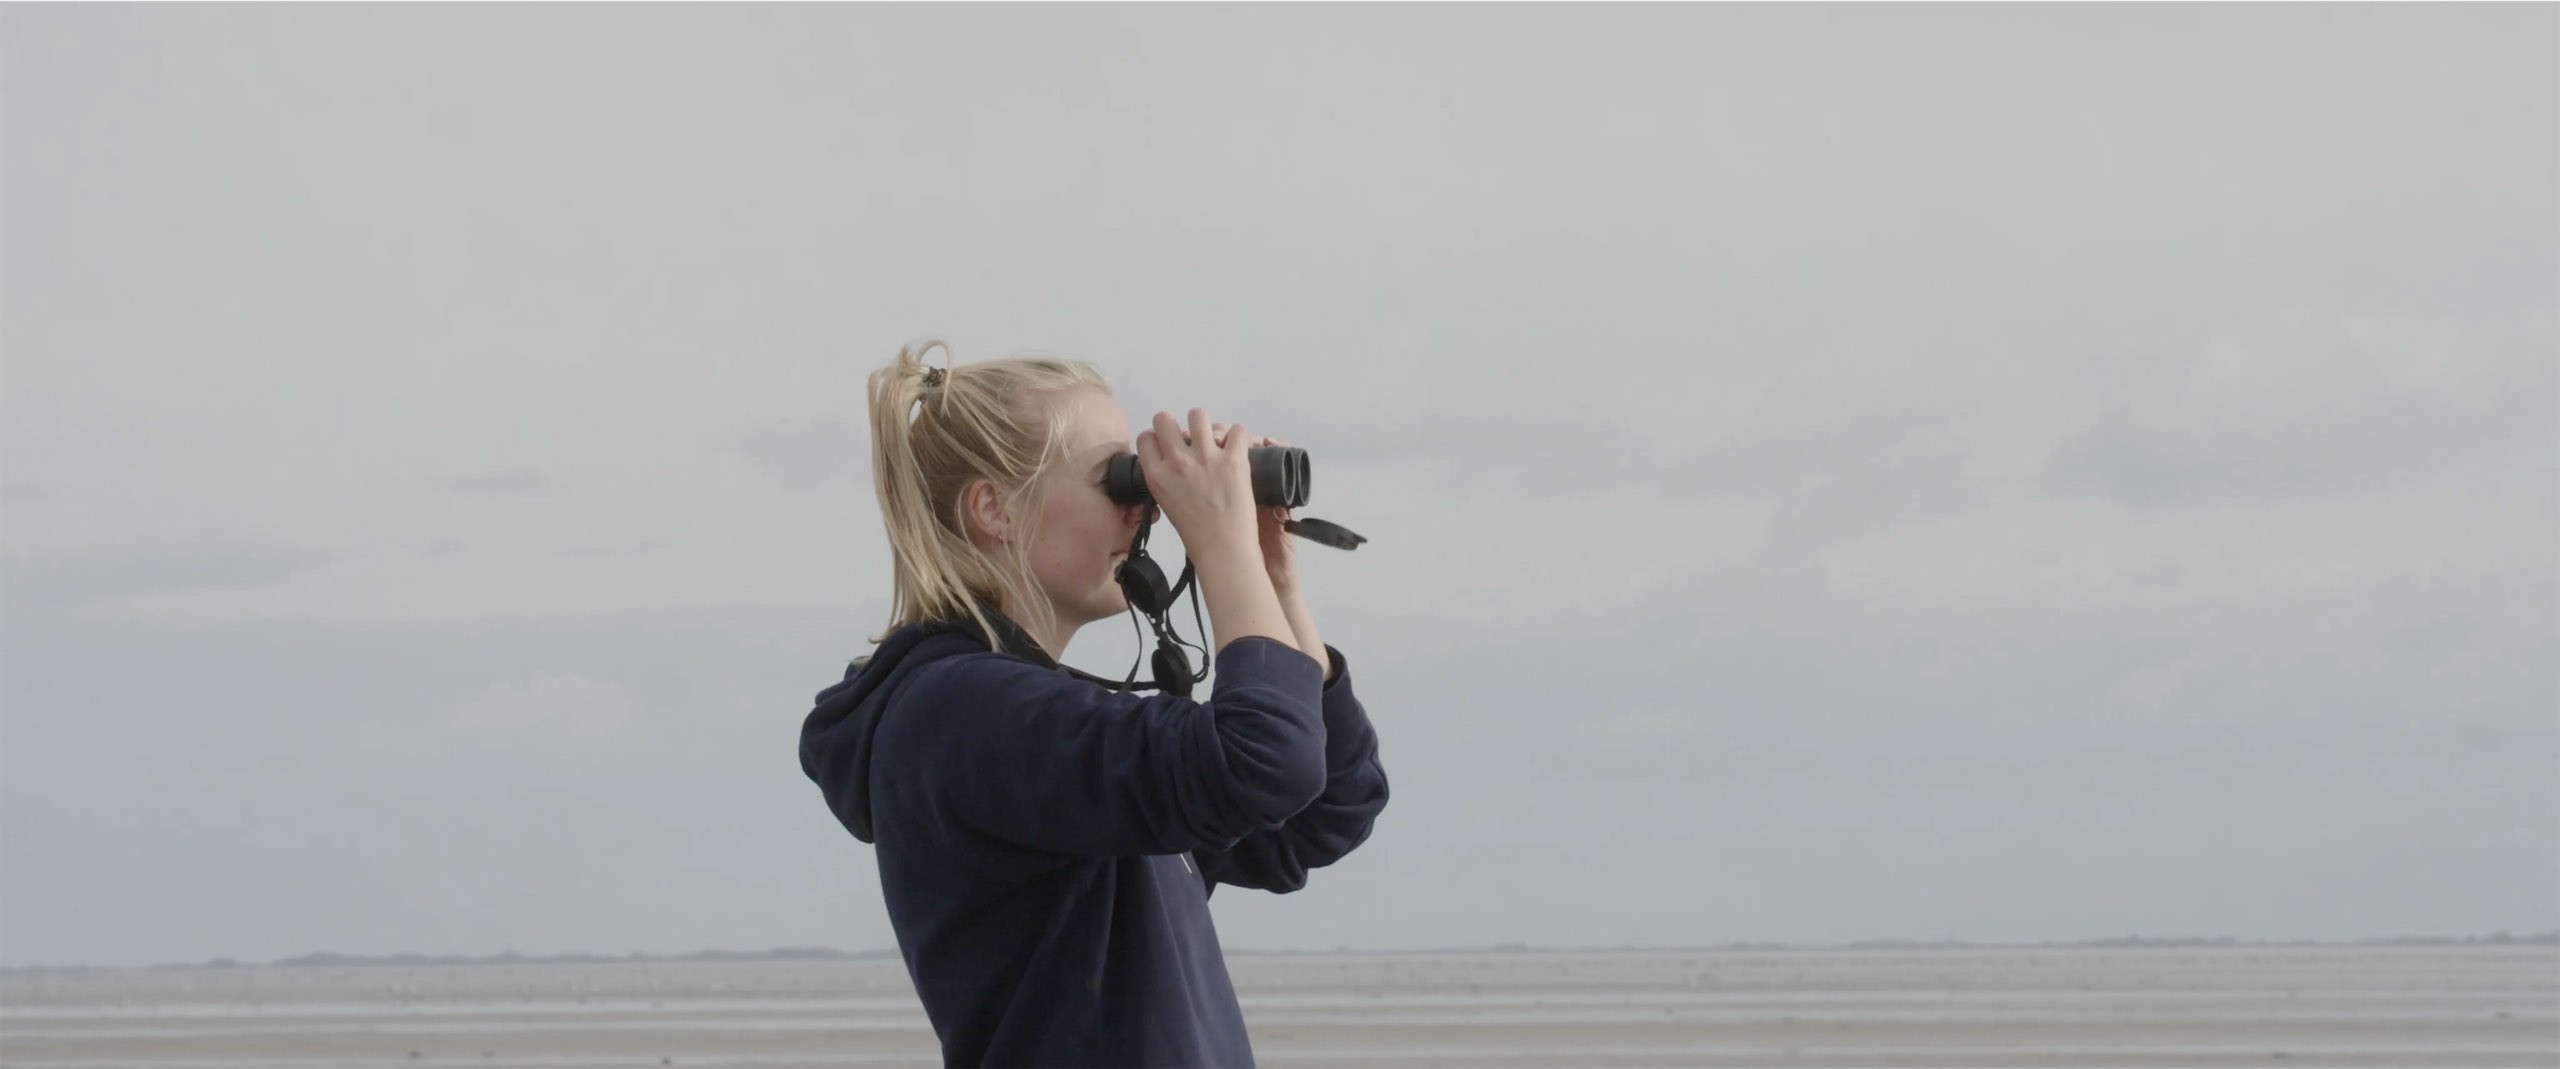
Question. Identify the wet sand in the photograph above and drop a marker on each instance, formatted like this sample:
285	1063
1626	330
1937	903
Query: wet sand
2430	1007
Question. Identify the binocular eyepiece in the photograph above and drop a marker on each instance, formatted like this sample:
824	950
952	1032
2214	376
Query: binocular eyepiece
1280	477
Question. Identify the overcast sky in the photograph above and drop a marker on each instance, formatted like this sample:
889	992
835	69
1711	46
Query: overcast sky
1832	473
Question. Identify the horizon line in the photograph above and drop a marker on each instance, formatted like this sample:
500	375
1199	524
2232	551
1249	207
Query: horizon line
329	959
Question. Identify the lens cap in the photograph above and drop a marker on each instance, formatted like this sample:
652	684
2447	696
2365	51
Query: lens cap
1326	532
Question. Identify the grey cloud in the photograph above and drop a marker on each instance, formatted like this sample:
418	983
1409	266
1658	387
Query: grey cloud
2321	408
1494	453
321	759
1835	478
1831	474
88	576
2341	405
808	456
521	482
608	551
1520	454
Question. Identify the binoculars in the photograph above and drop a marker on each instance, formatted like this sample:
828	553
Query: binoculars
1280	477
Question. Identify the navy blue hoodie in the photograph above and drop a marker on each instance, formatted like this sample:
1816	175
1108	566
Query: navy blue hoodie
1047	846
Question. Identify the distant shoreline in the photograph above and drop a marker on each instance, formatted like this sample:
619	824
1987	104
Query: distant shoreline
324	959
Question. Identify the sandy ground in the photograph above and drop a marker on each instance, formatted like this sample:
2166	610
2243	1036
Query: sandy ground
2416	1007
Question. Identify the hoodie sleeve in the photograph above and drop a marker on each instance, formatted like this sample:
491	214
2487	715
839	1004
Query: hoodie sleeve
1041	759
1337	822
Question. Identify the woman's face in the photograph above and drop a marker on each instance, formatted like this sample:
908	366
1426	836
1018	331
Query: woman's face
1083	535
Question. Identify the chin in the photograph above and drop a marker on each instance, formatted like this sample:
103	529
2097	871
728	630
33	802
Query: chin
1101	606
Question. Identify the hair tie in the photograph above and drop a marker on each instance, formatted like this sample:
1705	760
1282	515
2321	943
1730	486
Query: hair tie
933	377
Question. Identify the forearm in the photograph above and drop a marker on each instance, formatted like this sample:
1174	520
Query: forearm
1241	601
1302	624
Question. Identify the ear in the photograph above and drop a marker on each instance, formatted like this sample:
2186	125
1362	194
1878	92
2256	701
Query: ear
984	506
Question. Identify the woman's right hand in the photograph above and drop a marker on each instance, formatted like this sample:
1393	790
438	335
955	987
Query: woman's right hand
1202	479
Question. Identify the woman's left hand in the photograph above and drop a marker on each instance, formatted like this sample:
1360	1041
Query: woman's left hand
1279	547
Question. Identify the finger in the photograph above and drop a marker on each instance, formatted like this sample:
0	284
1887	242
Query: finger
1167	432
1146	449
1200	427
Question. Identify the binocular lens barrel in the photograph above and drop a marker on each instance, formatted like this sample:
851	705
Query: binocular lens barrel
1280	477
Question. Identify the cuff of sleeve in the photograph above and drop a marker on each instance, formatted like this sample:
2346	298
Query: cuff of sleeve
1338	672
1255	659
1347	735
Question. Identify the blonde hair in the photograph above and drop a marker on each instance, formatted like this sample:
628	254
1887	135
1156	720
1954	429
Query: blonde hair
997	421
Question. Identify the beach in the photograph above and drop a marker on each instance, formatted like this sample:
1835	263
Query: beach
2434	1006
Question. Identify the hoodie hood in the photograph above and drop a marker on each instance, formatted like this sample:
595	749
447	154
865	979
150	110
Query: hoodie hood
835	739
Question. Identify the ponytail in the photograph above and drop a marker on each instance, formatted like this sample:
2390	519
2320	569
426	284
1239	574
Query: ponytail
935	431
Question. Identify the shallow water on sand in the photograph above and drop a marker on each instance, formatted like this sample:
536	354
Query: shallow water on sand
2433	1007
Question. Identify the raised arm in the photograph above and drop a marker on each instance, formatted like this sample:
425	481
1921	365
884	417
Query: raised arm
1335	823
1043	760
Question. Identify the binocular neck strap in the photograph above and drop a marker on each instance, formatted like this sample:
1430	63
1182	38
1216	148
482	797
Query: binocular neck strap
1140	579
1142	584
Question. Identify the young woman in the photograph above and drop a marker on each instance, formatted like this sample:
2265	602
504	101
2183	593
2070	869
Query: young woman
1047	844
